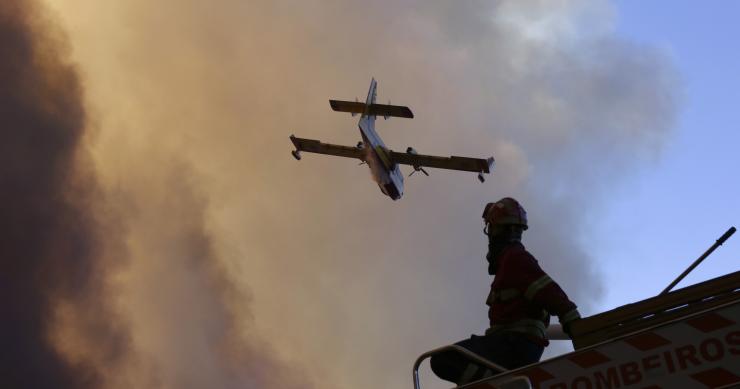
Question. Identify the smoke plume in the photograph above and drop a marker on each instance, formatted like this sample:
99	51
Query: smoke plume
244	268
50	240
71	253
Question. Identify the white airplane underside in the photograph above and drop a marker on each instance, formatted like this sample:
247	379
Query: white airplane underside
383	162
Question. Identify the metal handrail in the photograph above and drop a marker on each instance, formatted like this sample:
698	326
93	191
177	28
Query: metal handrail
453	347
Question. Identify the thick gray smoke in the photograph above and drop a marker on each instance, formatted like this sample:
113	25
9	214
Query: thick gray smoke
244	261
50	241
191	325
71	254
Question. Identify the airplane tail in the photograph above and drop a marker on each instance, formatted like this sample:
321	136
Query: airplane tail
385	110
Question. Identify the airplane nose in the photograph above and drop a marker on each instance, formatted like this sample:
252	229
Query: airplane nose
391	191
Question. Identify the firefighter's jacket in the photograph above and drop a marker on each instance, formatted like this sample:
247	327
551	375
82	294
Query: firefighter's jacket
523	297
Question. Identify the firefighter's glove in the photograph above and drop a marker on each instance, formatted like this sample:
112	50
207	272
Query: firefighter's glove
568	327
567	321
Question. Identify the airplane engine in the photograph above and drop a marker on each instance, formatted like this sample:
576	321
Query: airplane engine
412	151
360	145
296	154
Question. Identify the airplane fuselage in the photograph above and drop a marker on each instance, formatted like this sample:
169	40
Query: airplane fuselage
385	173
384	163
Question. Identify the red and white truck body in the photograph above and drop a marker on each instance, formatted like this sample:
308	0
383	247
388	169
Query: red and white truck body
685	339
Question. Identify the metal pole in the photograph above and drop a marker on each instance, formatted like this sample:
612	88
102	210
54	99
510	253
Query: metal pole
696	263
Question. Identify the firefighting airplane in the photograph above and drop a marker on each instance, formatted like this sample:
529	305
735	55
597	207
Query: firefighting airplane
371	150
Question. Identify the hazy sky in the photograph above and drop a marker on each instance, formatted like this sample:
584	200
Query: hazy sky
687	199
233	265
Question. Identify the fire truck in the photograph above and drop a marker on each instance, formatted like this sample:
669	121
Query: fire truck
686	338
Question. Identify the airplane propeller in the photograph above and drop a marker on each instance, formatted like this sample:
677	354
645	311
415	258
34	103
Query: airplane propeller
419	169
361	145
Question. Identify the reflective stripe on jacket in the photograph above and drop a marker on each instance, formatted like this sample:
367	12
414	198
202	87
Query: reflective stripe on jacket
522	296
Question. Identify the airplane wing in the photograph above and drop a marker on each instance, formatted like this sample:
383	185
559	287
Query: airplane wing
388	110
385	110
352	107
315	146
477	165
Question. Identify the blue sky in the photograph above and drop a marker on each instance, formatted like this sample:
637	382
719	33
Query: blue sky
674	208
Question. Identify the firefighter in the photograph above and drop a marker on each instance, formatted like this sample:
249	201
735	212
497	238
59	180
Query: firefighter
520	302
